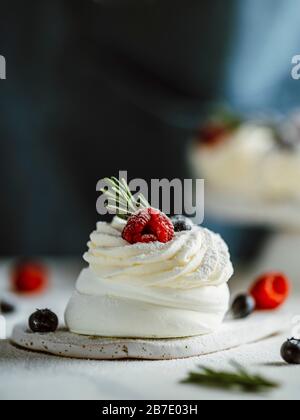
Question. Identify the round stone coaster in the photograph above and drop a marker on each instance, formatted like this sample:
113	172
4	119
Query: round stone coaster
231	334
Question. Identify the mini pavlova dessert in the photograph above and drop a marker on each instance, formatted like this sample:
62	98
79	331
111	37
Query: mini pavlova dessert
150	276
250	159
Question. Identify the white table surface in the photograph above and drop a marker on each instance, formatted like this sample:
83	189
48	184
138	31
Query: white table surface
28	375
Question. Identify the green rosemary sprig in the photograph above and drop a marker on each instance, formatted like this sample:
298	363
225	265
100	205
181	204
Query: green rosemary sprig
224	115
120	199
240	379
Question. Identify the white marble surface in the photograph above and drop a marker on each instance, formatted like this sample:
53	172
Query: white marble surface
28	375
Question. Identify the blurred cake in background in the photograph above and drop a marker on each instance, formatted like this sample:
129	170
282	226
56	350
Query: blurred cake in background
254	159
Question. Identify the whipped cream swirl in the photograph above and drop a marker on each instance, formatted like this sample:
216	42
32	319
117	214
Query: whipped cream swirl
193	259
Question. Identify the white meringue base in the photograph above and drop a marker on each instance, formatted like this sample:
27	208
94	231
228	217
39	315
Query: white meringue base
109	316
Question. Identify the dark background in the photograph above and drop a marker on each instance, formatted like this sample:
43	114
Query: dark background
92	89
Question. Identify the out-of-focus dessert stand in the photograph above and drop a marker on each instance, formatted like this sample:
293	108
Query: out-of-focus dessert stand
283	218
252	171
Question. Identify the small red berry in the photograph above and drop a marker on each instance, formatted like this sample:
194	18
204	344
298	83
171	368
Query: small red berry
29	277
148	225
270	291
213	134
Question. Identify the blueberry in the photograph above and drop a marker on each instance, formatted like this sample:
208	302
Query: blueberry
43	321
243	306
6	308
182	223
290	351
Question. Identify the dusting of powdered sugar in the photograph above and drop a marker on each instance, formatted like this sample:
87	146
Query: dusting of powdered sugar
190	260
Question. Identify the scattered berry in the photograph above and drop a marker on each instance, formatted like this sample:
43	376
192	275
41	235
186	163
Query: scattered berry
243	306
29	277
148	225
290	351
43	321
6	308
270	291
181	223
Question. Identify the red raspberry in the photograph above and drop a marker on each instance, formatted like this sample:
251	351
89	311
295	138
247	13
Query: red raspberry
270	291
148	225
213	134
29	277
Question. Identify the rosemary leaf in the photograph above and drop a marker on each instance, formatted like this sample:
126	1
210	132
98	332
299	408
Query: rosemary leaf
240	379
120	199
